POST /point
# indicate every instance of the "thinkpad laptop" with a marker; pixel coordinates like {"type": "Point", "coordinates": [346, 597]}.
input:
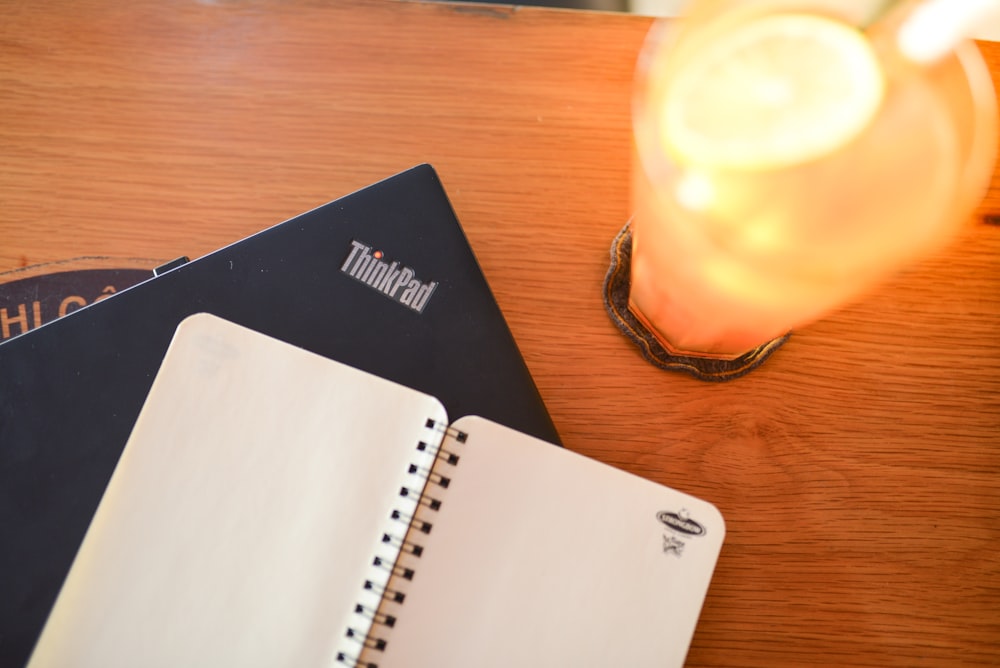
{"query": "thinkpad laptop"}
{"type": "Point", "coordinates": [383, 280]}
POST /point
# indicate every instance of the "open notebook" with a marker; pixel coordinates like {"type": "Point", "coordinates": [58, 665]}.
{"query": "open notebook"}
{"type": "Point", "coordinates": [383, 279]}
{"type": "Point", "coordinates": [275, 508]}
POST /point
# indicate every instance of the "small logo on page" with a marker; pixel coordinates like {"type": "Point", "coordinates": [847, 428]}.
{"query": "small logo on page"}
{"type": "Point", "coordinates": [678, 523]}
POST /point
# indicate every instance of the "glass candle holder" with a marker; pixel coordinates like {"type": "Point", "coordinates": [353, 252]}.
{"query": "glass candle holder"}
{"type": "Point", "coordinates": [787, 157]}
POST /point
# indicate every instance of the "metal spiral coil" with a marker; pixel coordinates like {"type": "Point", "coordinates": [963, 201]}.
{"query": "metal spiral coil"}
{"type": "Point", "coordinates": [414, 525]}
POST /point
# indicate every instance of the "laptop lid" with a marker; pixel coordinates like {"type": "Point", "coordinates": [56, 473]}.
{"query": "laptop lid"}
{"type": "Point", "coordinates": [383, 280]}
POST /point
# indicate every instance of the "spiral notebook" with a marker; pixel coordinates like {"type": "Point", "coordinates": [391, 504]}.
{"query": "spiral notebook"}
{"type": "Point", "coordinates": [383, 279]}
{"type": "Point", "coordinates": [276, 508]}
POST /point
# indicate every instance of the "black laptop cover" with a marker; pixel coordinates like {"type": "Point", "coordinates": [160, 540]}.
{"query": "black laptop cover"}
{"type": "Point", "coordinates": [383, 280]}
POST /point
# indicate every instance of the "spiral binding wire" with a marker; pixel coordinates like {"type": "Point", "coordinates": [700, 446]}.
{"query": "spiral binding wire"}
{"type": "Point", "coordinates": [374, 620]}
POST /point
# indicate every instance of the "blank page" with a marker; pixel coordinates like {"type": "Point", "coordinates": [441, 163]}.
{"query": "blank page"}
{"type": "Point", "coordinates": [541, 557]}
{"type": "Point", "coordinates": [242, 518]}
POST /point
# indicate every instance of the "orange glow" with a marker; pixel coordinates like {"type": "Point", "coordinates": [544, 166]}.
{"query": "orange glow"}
{"type": "Point", "coordinates": [773, 182]}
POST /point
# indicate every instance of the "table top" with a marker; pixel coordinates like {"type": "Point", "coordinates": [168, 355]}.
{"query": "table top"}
{"type": "Point", "coordinates": [857, 469]}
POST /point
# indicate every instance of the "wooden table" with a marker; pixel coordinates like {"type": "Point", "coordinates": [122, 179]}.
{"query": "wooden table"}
{"type": "Point", "coordinates": [859, 469]}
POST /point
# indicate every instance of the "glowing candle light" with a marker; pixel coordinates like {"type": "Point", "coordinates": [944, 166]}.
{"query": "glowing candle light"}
{"type": "Point", "coordinates": [786, 160]}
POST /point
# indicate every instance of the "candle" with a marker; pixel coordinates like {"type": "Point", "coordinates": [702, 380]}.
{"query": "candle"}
{"type": "Point", "coordinates": [785, 161]}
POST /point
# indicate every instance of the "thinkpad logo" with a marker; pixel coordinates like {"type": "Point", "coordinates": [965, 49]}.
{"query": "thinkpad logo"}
{"type": "Point", "coordinates": [397, 282]}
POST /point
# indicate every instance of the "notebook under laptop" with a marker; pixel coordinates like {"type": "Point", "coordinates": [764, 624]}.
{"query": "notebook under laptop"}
{"type": "Point", "coordinates": [383, 280]}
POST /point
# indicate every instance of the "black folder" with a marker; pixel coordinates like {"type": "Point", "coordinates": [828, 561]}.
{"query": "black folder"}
{"type": "Point", "coordinates": [383, 280]}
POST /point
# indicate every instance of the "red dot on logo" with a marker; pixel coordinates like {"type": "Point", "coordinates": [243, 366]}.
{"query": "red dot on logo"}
{"type": "Point", "coordinates": [378, 255]}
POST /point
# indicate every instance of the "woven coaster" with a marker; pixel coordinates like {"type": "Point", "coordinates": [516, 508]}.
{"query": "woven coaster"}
{"type": "Point", "coordinates": [616, 289]}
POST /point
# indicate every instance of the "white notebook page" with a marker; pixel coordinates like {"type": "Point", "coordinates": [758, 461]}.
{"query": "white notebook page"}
{"type": "Point", "coordinates": [541, 557]}
{"type": "Point", "coordinates": [242, 518]}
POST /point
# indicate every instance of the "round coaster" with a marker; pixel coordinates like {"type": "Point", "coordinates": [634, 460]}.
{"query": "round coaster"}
{"type": "Point", "coordinates": [616, 288]}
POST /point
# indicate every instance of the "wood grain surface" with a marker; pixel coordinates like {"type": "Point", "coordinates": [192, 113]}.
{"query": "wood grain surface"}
{"type": "Point", "coordinates": [858, 470]}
